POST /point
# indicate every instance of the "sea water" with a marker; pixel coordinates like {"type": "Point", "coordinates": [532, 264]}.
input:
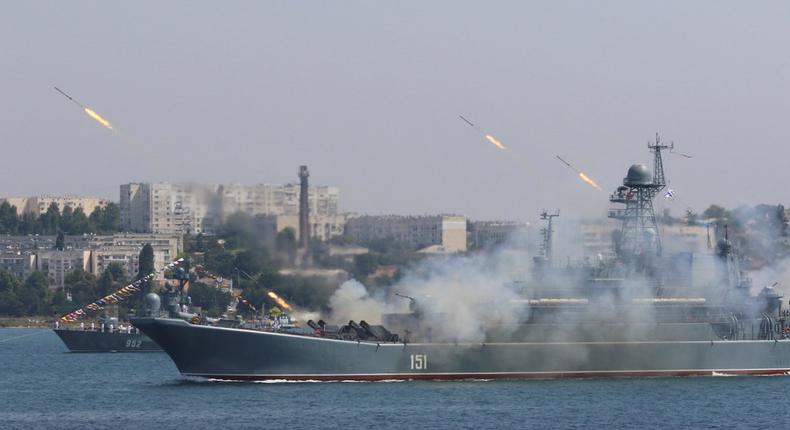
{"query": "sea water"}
{"type": "Point", "coordinates": [44, 386]}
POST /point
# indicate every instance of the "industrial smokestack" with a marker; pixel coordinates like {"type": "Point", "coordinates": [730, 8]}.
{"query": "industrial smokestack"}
{"type": "Point", "coordinates": [304, 208]}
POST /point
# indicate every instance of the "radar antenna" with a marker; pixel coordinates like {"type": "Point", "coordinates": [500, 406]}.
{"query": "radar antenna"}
{"type": "Point", "coordinates": [640, 239]}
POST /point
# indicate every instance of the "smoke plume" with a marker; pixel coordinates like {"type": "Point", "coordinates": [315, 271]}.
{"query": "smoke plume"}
{"type": "Point", "coordinates": [352, 301]}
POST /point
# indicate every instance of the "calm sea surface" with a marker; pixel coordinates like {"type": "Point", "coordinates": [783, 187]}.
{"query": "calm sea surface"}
{"type": "Point", "coordinates": [43, 386]}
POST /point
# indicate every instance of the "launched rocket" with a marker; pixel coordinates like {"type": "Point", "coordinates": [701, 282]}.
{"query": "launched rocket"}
{"type": "Point", "coordinates": [69, 97]}
{"type": "Point", "coordinates": [488, 137]}
{"type": "Point", "coordinates": [581, 174]}
{"type": "Point", "coordinates": [466, 120]}
{"type": "Point", "coordinates": [88, 111]}
{"type": "Point", "coordinates": [567, 164]}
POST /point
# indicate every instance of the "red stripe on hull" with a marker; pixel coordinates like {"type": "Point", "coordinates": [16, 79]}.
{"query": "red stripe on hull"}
{"type": "Point", "coordinates": [467, 376]}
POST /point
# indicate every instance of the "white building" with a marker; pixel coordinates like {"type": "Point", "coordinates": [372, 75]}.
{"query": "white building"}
{"type": "Point", "coordinates": [168, 208]}
{"type": "Point", "coordinates": [439, 233]}
{"type": "Point", "coordinates": [487, 234]}
{"type": "Point", "coordinates": [18, 263]}
{"type": "Point", "coordinates": [91, 253]}
{"type": "Point", "coordinates": [596, 237]}
{"type": "Point", "coordinates": [58, 264]}
{"type": "Point", "coordinates": [269, 199]}
{"type": "Point", "coordinates": [125, 248]}
{"type": "Point", "coordinates": [322, 227]}
{"type": "Point", "coordinates": [190, 208]}
{"type": "Point", "coordinates": [39, 204]}
{"type": "Point", "coordinates": [126, 256]}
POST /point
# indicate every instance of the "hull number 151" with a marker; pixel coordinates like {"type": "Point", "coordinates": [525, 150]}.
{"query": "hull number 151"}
{"type": "Point", "coordinates": [419, 361]}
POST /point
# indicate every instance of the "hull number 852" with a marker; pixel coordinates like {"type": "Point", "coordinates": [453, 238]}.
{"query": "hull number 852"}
{"type": "Point", "coordinates": [419, 362]}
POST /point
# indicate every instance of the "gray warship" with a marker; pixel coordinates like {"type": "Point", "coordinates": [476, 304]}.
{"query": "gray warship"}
{"type": "Point", "coordinates": [106, 337]}
{"type": "Point", "coordinates": [589, 322]}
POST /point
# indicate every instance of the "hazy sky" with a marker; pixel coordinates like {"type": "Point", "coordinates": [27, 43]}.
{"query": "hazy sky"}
{"type": "Point", "coordinates": [368, 95]}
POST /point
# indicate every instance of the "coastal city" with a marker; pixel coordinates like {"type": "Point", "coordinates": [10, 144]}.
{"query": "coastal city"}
{"type": "Point", "coordinates": [68, 238]}
{"type": "Point", "coordinates": [64, 236]}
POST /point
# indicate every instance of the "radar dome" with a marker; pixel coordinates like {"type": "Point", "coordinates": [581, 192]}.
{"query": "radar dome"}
{"type": "Point", "coordinates": [638, 175]}
{"type": "Point", "coordinates": [152, 302]}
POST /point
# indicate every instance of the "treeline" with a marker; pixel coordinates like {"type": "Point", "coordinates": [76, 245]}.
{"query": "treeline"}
{"type": "Point", "coordinates": [32, 296]}
{"type": "Point", "coordinates": [759, 233]}
{"type": "Point", "coordinates": [250, 254]}
{"type": "Point", "coordinates": [70, 221]}
{"type": "Point", "coordinates": [245, 251]}
{"type": "Point", "coordinates": [243, 245]}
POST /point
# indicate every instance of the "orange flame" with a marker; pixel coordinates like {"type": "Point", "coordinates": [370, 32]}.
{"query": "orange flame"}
{"type": "Point", "coordinates": [91, 113]}
{"type": "Point", "coordinates": [496, 143]}
{"type": "Point", "coordinates": [592, 183]}
{"type": "Point", "coordinates": [279, 301]}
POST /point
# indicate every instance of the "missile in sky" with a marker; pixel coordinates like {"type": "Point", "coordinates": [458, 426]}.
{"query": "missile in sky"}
{"type": "Point", "coordinates": [466, 120]}
{"type": "Point", "coordinates": [69, 97]}
{"type": "Point", "coordinates": [568, 164]}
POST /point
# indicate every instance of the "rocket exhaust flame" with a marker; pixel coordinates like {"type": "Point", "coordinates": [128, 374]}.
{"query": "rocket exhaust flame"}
{"type": "Point", "coordinates": [581, 174]}
{"type": "Point", "coordinates": [496, 143]}
{"type": "Point", "coordinates": [588, 180]}
{"type": "Point", "coordinates": [91, 113]}
{"type": "Point", "coordinates": [279, 300]}
{"type": "Point", "coordinates": [488, 137]}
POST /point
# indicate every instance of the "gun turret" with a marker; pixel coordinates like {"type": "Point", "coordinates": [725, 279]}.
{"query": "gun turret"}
{"type": "Point", "coordinates": [412, 302]}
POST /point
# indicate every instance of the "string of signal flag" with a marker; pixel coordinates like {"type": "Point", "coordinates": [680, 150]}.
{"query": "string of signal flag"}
{"type": "Point", "coordinates": [118, 296]}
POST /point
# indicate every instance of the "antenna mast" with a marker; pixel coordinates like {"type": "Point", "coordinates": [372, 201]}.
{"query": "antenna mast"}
{"type": "Point", "coordinates": [547, 232]}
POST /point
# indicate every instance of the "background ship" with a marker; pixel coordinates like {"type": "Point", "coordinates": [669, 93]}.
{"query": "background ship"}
{"type": "Point", "coordinates": [107, 337]}
{"type": "Point", "coordinates": [631, 315]}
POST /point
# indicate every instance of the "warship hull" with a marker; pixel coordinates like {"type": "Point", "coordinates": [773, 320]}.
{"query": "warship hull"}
{"type": "Point", "coordinates": [98, 341]}
{"type": "Point", "coordinates": [240, 354]}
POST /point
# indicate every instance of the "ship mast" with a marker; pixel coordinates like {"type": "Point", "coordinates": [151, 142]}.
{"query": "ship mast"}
{"type": "Point", "coordinates": [640, 240]}
{"type": "Point", "coordinates": [547, 232]}
{"type": "Point", "coordinates": [543, 261]}
{"type": "Point", "coordinates": [658, 163]}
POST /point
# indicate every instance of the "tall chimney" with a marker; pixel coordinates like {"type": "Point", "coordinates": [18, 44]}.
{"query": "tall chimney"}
{"type": "Point", "coordinates": [304, 208]}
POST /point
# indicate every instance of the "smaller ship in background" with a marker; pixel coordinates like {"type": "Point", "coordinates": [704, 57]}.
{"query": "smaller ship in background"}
{"type": "Point", "coordinates": [108, 335]}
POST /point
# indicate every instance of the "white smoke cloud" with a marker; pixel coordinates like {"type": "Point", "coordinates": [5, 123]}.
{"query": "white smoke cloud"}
{"type": "Point", "coordinates": [464, 297]}
{"type": "Point", "coordinates": [461, 296]}
{"type": "Point", "coordinates": [458, 296]}
{"type": "Point", "coordinates": [353, 302]}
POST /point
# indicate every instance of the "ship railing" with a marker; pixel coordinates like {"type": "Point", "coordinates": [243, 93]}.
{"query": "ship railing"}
{"type": "Point", "coordinates": [617, 213]}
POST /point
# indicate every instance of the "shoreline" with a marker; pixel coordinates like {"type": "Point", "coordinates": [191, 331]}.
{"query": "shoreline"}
{"type": "Point", "coordinates": [26, 322]}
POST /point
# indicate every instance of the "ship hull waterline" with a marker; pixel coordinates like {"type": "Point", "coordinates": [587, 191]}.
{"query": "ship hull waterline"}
{"type": "Point", "coordinates": [248, 355]}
